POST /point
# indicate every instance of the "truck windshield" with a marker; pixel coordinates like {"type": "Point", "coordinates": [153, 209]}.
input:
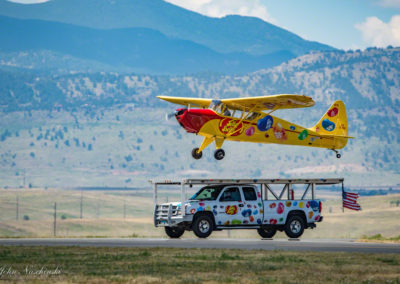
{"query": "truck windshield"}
{"type": "Point", "coordinates": [207, 193]}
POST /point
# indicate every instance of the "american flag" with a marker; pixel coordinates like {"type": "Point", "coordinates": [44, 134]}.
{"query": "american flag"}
{"type": "Point", "coordinates": [350, 200]}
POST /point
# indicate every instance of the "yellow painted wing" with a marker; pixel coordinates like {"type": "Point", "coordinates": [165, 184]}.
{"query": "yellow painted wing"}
{"type": "Point", "coordinates": [269, 102]}
{"type": "Point", "coordinates": [196, 102]}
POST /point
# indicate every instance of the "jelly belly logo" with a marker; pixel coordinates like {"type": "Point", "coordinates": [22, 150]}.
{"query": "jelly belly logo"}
{"type": "Point", "coordinates": [231, 126]}
{"type": "Point", "coordinates": [231, 209]}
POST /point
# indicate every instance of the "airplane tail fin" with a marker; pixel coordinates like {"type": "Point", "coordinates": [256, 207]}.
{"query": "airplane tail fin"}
{"type": "Point", "coordinates": [334, 124]}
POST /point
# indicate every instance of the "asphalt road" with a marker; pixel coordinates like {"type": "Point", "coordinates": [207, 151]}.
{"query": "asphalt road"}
{"type": "Point", "coordinates": [327, 245]}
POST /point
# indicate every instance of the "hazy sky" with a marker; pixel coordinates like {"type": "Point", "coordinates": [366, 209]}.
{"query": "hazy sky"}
{"type": "Point", "coordinates": [341, 23]}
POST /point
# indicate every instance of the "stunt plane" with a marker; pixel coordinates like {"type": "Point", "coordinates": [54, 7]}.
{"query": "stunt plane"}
{"type": "Point", "coordinates": [250, 120]}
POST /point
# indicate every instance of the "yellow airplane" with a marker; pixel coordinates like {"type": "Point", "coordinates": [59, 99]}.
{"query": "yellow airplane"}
{"type": "Point", "coordinates": [250, 120]}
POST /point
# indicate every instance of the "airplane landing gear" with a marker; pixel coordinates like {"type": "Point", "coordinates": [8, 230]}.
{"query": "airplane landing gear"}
{"type": "Point", "coordinates": [195, 154]}
{"type": "Point", "coordinates": [219, 154]}
{"type": "Point", "coordinates": [337, 154]}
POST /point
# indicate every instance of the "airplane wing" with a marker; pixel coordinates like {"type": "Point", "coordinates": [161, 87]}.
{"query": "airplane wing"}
{"type": "Point", "coordinates": [196, 102]}
{"type": "Point", "coordinates": [282, 101]}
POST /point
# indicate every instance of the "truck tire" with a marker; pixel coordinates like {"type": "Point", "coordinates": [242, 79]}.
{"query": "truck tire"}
{"type": "Point", "coordinates": [294, 227]}
{"type": "Point", "coordinates": [174, 232]}
{"type": "Point", "coordinates": [266, 232]}
{"type": "Point", "coordinates": [202, 226]}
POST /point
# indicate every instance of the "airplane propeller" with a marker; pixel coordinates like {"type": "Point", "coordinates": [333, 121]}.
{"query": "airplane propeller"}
{"type": "Point", "coordinates": [168, 116]}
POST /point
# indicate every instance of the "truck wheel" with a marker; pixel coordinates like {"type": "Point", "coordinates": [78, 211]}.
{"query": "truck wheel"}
{"type": "Point", "coordinates": [174, 232]}
{"type": "Point", "coordinates": [203, 226]}
{"type": "Point", "coordinates": [294, 227]}
{"type": "Point", "coordinates": [266, 232]}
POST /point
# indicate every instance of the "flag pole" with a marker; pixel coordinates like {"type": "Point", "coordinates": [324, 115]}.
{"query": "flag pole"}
{"type": "Point", "coordinates": [342, 197]}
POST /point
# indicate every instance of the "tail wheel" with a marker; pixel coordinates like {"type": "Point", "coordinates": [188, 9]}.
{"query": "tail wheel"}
{"type": "Point", "coordinates": [295, 226]}
{"type": "Point", "coordinates": [195, 154]}
{"type": "Point", "coordinates": [266, 232]}
{"type": "Point", "coordinates": [203, 226]}
{"type": "Point", "coordinates": [174, 232]}
{"type": "Point", "coordinates": [338, 155]}
{"type": "Point", "coordinates": [219, 154]}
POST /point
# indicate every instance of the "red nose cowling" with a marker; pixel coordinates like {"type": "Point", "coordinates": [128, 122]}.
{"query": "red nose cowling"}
{"type": "Point", "coordinates": [193, 119]}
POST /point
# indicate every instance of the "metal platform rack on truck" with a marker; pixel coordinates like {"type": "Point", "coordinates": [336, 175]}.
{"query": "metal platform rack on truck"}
{"type": "Point", "coordinates": [241, 204]}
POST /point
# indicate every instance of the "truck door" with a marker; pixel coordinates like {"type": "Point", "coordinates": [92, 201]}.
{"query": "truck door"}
{"type": "Point", "coordinates": [252, 213]}
{"type": "Point", "coordinates": [230, 207]}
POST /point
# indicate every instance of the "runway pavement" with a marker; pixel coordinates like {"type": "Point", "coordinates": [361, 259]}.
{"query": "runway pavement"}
{"type": "Point", "coordinates": [327, 245]}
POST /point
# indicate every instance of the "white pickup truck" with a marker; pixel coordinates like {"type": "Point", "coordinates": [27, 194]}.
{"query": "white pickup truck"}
{"type": "Point", "coordinates": [241, 204]}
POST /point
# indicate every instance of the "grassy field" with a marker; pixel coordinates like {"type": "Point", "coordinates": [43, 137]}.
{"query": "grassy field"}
{"type": "Point", "coordinates": [103, 213]}
{"type": "Point", "coordinates": [163, 265]}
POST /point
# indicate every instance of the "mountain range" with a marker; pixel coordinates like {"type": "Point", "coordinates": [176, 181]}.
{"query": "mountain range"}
{"type": "Point", "coordinates": [150, 36]}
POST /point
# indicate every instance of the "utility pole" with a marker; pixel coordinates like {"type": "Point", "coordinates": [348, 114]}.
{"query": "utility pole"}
{"type": "Point", "coordinates": [55, 219]}
{"type": "Point", "coordinates": [81, 203]}
{"type": "Point", "coordinates": [97, 210]}
{"type": "Point", "coordinates": [17, 208]}
{"type": "Point", "coordinates": [124, 209]}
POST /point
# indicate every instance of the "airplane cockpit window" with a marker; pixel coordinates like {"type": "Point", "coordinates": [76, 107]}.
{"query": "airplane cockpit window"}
{"type": "Point", "coordinates": [217, 106]}
{"type": "Point", "coordinates": [252, 116]}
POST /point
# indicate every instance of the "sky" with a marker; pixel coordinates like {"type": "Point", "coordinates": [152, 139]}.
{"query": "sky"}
{"type": "Point", "coordinates": [344, 24]}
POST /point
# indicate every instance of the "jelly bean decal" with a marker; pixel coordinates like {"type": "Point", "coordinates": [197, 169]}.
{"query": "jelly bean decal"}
{"type": "Point", "coordinates": [280, 219]}
{"type": "Point", "coordinates": [246, 213]}
{"type": "Point", "coordinates": [255, 206]}
{"type": "Point", "coordinates": [310, 214]}
{"type": "Point", "coordinates": [192, 211]}
{"type": "Point", "coordinates": [226, 223]}
{"type": "Point", "coordinates": [308, 204]}
{"type": "Point", "coordinates": [250, 131]}
{"type": "Point", "coordinates": [266, 135]}
{"type": "Point", "coordinates": [328, 125]}
{"type": "Point", "coordinates": [265, 123]}
{"type": "Point", "coordinates": [255, 212]}
{"type": "Point", "coordinates": [258, 195]}
{"type": "Point", "coordinates": [279, 132]}
{"type": "Point", "coordinates": [272, 205]}
{"type": "Point", "coordinates": [221, 207]}
{"type": "Point", "coordinates": [231, 209]}
{"type": "Point", "coordinates": [200, 209]}
{"type": "Point", "coordinates": [219, 223]}
{"type": "Point", "coordinates": [288, 203]}
{"type": "Point", "coordinates": [333, 112]}
{"type": "Point", "coordinates": [301, 204]}
{"type": "Point", "coordinates": [259, 204]}
{"type": "Point", "coordinates": [292, 128]}
{"type": "Point", "coordinates": [261, 211]}
{"type": "Point", "coordinates": [248, 205]}
{"type": "Point", "coordinates": [303, 135]}
{"type": "Point", "coordinates": [215, 212]}
{"type": "Point", "coordinates": [280, 208]}
{"type": "Point", "coordinates": [215, 206]}
{"type": "Point", "coordinates": [208, 208]}
{"type": "Point", "coordinates": [314, 205]}
{"type": "Point", "coordinates": [251, 218]}
{"type": "Point", "coordinates": [245, 222]}
{"type": "Point", "coordinates": [201, 203]}
{"type": "Point", "coordinates": [317, 218]}
{"type": "Point", "coordinates": [236, 222]}
{"type": "Point", "coordinates": [273, 221]}
{"type": "Point", "coordinates": [295, 203]}
{"type": "Point", "coordinates": [259, 221]}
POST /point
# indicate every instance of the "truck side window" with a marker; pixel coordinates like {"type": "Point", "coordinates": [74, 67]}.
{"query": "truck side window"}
{"type": "Point", "coordinates": [249, 193]}
{"type": "Point", "coordinates": [231, 194]}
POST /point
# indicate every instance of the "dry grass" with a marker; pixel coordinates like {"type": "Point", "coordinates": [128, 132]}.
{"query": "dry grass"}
{"type": "Point", "coordinates": [155, 265]}
{"type": "Point", "coordinates": [103, 215]}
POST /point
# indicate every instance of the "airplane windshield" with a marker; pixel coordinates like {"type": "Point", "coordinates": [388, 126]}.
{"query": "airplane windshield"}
{"type": "Point", "coordinates": [207, 193]}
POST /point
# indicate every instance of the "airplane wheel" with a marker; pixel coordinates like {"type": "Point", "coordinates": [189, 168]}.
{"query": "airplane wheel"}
{"type": "Point", "coordinates": [219, 154]}
{"type": "Point", "coordinates": [195, 154]}
{"type": "Point", "coordinates": [338, 155]}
